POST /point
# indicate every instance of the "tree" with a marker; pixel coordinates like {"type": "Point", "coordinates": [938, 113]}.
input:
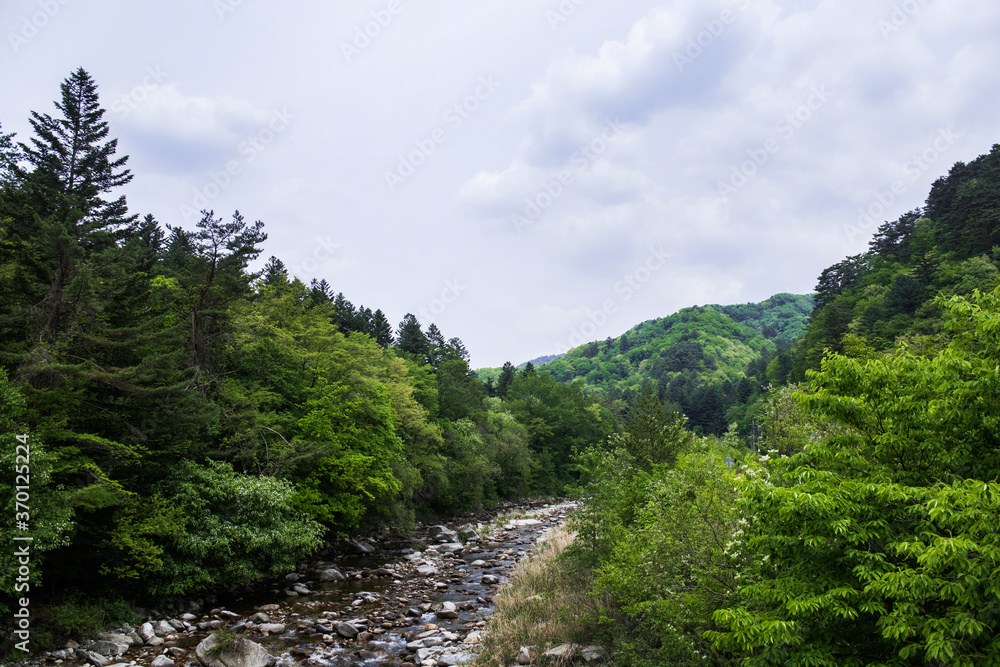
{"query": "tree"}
{"type": "Point", "coordinates": [507, 375]}
{"type": "Point", "coordinates": [275, 272]}
{"type": "Point", "coordinates": [381, 329]}
{"type": "Point", "coordinates": [877, 544]}
{"type": "Point", "coordinates": [410, 337]}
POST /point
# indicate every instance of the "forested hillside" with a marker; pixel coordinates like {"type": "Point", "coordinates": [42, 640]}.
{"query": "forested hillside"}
{"type": "Point", "coordinates": [706, 362]}
{"type": "Point", "coordinates": [194, 423]}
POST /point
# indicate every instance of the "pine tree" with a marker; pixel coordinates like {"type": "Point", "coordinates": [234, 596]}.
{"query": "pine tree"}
{"type": "Point", "coordinates": [507, 375]}
{"type": "Point", "coordinates": [381, 329]}
{"type": "Point", "coordinates": [275, 272]}
{"type": "Point", "coordinates": [410, 337]}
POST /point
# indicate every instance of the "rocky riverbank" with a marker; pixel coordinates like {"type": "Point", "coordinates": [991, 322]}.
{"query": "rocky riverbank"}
{"type": "Point", "coordinates": [423, 602]}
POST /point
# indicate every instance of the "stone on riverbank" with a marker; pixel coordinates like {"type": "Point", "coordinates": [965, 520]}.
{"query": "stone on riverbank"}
{"type": "Point", "coordinates": [241, 653]}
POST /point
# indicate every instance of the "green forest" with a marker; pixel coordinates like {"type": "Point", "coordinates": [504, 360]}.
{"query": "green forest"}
{"type": "Point", "coordinates": [809, 480]}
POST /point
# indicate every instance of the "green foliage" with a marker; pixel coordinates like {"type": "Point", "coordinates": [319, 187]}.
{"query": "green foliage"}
{"type": "Point", "coordinates": [877, 544]}
{"type": "Point", "coordinates": [238, 528]}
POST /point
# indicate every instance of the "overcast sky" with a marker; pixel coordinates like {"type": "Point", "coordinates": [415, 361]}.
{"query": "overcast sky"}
{"type": "Point", "coordinates": [529, 174]}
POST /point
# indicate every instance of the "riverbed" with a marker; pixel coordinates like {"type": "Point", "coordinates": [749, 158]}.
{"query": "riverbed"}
{"type": "Point", "coordinates": [424, 600]}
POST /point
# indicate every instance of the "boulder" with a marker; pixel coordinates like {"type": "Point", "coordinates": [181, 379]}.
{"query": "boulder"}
{"type": "Point", "coordinates": [593, 654]}
{"type": "Point", "coordinates": [241, 653]}
{"type": "Point", "coordinates": [163, 628]}
{"type": "Point", "coordinates": [116, 637]}
{"type": "Point", "coordinates": [107, 648]}
{"type": "Point", "coordinates": [331, 574]}
{"type": "Point", "coordinates": [301, 589]}
{"type": "Point", "coordinates": [489, 580]}
{"type": "Point", "coordinates": [161, 661]}
{"type": "Point", "coordinates": [361, 547]}
{"type": "Point", "coordinates": [562, 653]}
{"type": "Point", "coordinates": [346, 630]}
{"type": "Point", "coordinates": [93, 657]}
{"type": "Point", "coordinates": [442, 534]}
{"type": "Point", "coordinates": [450, 547]}
{"type": "Point", "coordinates": [427, 570]}
{"type": "Point", "coordinates": [260, 617]}
{"type": "Point", "coordinates": [448, 610]}
{"type": "Point", "coordinates": [272, 628]}
{"type": "Point", "coordinates": [527, 655]}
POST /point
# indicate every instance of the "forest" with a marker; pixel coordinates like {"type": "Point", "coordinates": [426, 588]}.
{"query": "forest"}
{"type": "Point", "coordinates": [811, 480]}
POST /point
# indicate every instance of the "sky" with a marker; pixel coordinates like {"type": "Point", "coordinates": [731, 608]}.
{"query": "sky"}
{"type": "Point", "coordinates": [529, 175]}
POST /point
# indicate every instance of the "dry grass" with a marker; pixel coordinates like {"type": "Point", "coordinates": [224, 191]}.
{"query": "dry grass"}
{"type": "Point", "coordinates": [545, 603]}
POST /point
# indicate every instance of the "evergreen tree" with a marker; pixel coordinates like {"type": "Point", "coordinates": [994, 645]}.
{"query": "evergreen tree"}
{"type": "Point", "coordinates": [507, 375]}
{"type": "Point", "coordinates": [410, 337]}
{"type": "Point", "coordinates": [275, 272]}
{"type": "Point", "coordinates": [319, 292]}
{"type": "Point", "coordinates": [435, 345]}
{"type": "Point", "coordinates": [381, 329]}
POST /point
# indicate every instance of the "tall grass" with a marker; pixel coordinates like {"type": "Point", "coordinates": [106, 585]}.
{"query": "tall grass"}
{"type": "Point", "coordinates": [546, 602]}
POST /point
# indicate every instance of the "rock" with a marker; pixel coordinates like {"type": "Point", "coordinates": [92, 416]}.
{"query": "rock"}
{"type": "Point", "coordinates": [189, 617]}
{"type": "Point", "coordinates": [163, 628]}
{"type": "Point", "coordinates": [451, 659]}
{"type": "Point", "coordinates": [346, 630]}
{"type": "Point", "coordinates": [366, 655]}
{"type": "Point", "coordinates": [146, 632]}
{"type": "Point", "coordinates": [526, 522]}
{"type": "Point", "coordinates": [361, 547]}
{"type": "Point", "coordinates": [294, 576]}
{"type": "Point", "coordinates": [155, 641]}
{"type": "Point", "coordinates": [301, 589]}
{"type": "Point", "coordinates": [272, 628]}
{"type": "Point", "coordinates": [473, 637]}
{"type": "Point", "coordinates": [527, 655]}
{"type": "Point", "coordinates": [116, 637]}
{"type": "Point", "coordinates": [448, 610]}
{"type": "Point", "coordinates": [594, 654]}
{"type": "Point", "coordinates": [92, 657]}
{"type": "Point", "coordinates": [489, 580]}
{"type": "Point", "coordinates": [331, 574]}
{"type": "Point", "coordinates": [241, 653]}
{"type": "Point", "coordinates": [268, 607]}
{"type": "Point", "coordinates": [177, 624]}
{"type": "Point", "coordinates": [161, 661]}
{"type": "Point", "coordinates": [563, 652]}
{"type": "Point", "coordinates": [427, 570]}
{"type": "Point", "coordinates": [107, 648]}
{"type": "Point", "coordinates": [442, 534]}
{"type": "Point", "coordinates": [477, 563]}
{"type": "Point", "coordinates": [450, 547]}
{"type": "Point", "coordinates": [225, 613]}
{"type": "Point", "coordinates": [176, 651]}
{"type": "Point", "coordinates": [260, 617]}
